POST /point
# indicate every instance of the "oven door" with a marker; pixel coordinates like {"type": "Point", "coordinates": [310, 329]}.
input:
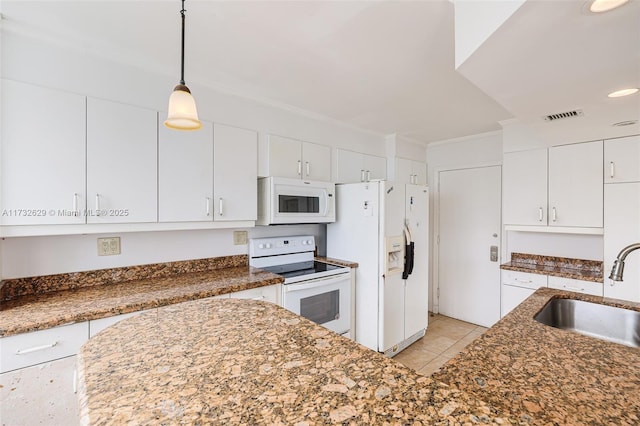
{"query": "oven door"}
{"type": "Point", "coordinates": [325, 301]}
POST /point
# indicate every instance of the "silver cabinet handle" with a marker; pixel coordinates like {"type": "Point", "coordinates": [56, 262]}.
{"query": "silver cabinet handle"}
{"type": "Point", "coordinates": [97, 204]}
{"type": "Point", "coordinates": [524, 281]}
{"type": "Point", "coordinates": [36, 348]}
{"type": "Point", "coordinates": [75, 202]}
{"type": "Point", "coordinates": [362, 179]}
{"type": "Point", "coordinates": [368, 175]}
{"type": "Point", "coordinates": [220, 206]}
{"type": "Point", "coordinates": [612, 169]}
{"type": "Point", "coordinates": [540, 214]}
{"type": "Point", "coordinates": [208, 206]}
{"type": "Point", "coordinates": [554, 214]}
{"type": "Point", "coordinates": [308, 168]}
{"type": "Point", "coordinates": [299, 168]}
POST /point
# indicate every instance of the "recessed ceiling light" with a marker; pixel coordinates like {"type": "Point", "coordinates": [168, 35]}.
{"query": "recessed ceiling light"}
{"type": "Point", "coordinates": [623, 92]}
{"type": "Point", "coordinates": [598, 6]}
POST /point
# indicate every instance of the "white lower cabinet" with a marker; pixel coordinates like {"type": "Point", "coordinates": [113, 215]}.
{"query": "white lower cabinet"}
{"type": "Point", "coordinates": [26, 349]}
{"type": "Point", "coordinates": [517, 286]}
{"type": "Point", "coordinates": [271, 293]}
{"type": "Point", "coordinates": [43, 394]}
{"type": "Point", "coordinates": [38, 380]}
{"type": "Point", "coordinates": [579, 286]}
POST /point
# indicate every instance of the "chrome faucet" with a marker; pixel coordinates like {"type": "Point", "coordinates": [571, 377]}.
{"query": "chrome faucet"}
{"type": "Point", "coordinates": [618, 265]}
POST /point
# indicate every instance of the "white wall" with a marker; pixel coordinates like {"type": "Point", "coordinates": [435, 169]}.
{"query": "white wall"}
{"type": "Point", "coordinates": [39, 62]}
{"type": "Point", "coordinates": [575, 246]}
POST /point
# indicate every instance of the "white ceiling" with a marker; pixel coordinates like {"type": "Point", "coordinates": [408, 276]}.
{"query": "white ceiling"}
{"type": "Point", "coordinates": [382, 66]}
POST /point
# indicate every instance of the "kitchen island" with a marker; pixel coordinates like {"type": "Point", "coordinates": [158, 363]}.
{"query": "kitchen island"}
{"type": "Point", "coordinates": [538, 374]}
{"type": "Point", "coordinates": [250, 362]}
{"type": "Point", "coordinates": [247, 362]}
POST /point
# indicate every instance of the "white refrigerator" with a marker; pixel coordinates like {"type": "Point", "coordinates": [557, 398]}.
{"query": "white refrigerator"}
{"type": "Point", "coordinates": [376, 222]}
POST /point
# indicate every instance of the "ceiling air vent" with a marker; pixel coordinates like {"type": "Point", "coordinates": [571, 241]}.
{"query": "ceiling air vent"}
{"type": "Point", "coordinates": [562, 115]}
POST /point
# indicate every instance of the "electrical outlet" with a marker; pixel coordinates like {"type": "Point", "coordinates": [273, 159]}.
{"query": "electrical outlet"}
{"type": "Point", "coordinates": [240, 237]}
{"type": "Point", "coordinates": [108, 246]}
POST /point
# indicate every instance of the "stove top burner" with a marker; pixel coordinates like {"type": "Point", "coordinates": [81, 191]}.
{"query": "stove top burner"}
{"type": "Point", "coordinates": [299, 269]}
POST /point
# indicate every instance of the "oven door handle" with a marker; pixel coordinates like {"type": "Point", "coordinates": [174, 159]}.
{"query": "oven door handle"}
{"type": "Point", "coordinates": [318, 282]}
{"type": "Point", "coordinates": [326, 203]}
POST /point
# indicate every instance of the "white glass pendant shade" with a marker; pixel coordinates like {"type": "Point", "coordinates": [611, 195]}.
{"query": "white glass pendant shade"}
{"type": "Point", "coordinates": [183, 114]}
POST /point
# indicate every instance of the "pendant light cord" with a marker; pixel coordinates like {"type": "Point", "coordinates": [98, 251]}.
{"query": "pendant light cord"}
{"type": "Point", "coordinates": [182, 52]}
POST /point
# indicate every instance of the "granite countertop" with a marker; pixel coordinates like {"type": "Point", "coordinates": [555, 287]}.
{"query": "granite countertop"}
{"type": "Point", "coordinates": [577, 269]}
{"type": "Point", "coordinates": [40, 311]}
{"type": "Point", "coordinates": [542, 375]}
{"type": "Point", "coordinates": [232, 361]}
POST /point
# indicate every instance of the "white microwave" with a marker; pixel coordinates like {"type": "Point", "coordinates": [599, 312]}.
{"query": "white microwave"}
{"type": "Point", "coordinates": [282, 201]}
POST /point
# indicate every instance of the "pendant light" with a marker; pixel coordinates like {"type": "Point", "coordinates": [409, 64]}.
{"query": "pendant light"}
{"type": "Point", "coordinates": [183, 114]}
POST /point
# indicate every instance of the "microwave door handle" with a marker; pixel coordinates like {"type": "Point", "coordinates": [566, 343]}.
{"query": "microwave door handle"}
{"type": "Point", "coordinates": [326, 203]}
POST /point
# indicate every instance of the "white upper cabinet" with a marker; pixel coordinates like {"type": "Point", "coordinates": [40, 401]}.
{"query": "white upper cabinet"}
{"type": "Point", "coordinates": [564, 190]}
{"type": "Point", "coordinates": [235, 169]}
{"type": "Point", "coordinates": [295, 159]}
{"type": "Point", "coordinates": [185, 174]}
{"type": "Point", "coordinates": [411, 171]}
{"type": "Point", "coordinates": [576, 185]}
{"type": "Point", "coordinates": [622, 160]}
{"type": "Point", "coordinates": [43, 156]}
{"type": "Point", "coordinates": [357, 167]}
{"type": "Point", "coordinates": [121, 163]}
{"type": "Point", "coordinates": [524, 187]}
{"type": "Point", "coordinates": [622, 228]}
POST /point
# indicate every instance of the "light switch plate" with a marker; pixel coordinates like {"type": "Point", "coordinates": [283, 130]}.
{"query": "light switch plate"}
{"type": "Point", "coordinates": [108, 246]}
{"type": "Point", "coordinates": [240, 237]}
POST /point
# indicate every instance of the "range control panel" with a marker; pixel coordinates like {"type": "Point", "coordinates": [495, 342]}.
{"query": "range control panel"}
{"type": "Point", "coordinates": [273, 246]}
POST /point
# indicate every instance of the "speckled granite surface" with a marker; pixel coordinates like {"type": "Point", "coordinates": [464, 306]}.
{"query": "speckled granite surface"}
{"type": "Point", "coordinates": [338, 262]}
{"type": "Point", "coordinates": [578, 269]}
{"type": "Point", "coordinates": [41, 311]}
{"type": "Point", "coordinates": [249, 362]}
{"type": "Point", "coordinates": [542, 375]}
{"type": "Point", "coordinates": [14, 288]}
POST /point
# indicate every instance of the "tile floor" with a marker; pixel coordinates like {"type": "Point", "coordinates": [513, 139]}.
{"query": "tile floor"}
{"type": "Point", "coordinates": [445, 338]}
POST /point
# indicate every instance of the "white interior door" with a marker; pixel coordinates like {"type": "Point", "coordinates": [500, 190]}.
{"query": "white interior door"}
{"type": "Point", "coordinates": [469, 225]}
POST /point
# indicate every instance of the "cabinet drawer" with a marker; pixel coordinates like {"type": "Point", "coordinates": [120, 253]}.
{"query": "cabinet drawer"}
{"type": "Point", "coordinates": [269, 293]}
{"type": "Point", "coordinates": [96, 326]}
{"type": "Point", "coordinates": [523, 279]}
{"type": "Point", "coordinates": [568, 284]}
{"type": "Point", "coordinates": [23, 350]}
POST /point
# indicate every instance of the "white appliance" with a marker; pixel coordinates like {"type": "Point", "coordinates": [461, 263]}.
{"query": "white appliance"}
{"type": "Point", "coordinates": [376, 224]}
{"type": "Point", "coordinates": [283, 200]}
{"type": "Point", "coordinates": [318, 291]}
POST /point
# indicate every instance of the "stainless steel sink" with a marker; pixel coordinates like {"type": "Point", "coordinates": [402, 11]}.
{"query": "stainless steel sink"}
{"type": "Point", "coordinates": [603, 322]}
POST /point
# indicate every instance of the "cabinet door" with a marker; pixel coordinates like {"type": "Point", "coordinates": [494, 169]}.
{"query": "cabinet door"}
{"type": "Point", "coordinates": [622, 160]}
{"type": "Point", "coordinates": [23, 350]}
{"type": "Point", "coordinates": [43, 156]}
{"type": "Point", "coordinates": [375, 167]}
{"type": "Point", "coordinates": [419, 172]}
{"type": "Point", "coordinates": [285, 157]}
{"type": "Point", "coordinates": [235, 173]}
{"type": "Point", "coordinates": [121, 163]}
{"type": "Point", "coordinates": [524, 185]}
{"type": "Point", "coordinates": [185, 174]}
{"type": "Point", "coordinates": [350, 167]}
{"type": "Point", "coordinates": [576, 185]}
{"type": "Point", "coordinates": [404, 170]}
{"type": "Point", "coordinates": [316, 162]}
{"type": "Point", "coordinates": [621, 228]}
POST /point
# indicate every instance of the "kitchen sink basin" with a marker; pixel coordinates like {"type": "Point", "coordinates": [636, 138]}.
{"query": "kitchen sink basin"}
{"type": "Point", "coordinates": [603, 322]}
